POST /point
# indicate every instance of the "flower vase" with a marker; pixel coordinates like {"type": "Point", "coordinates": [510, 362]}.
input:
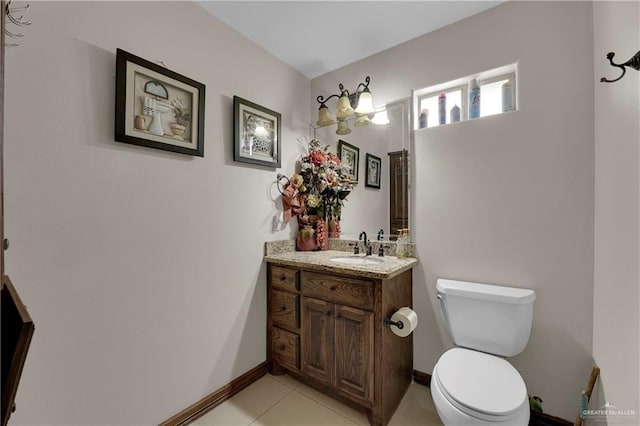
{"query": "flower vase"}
{"type": "Point", "coordinates": [334, 228]}
{"type": "Point", "coordinates": [177, 130]}
{"type": "Point", "coordinates": [322, 235]}
{"type": "Point", "coordinates": [306, 240]}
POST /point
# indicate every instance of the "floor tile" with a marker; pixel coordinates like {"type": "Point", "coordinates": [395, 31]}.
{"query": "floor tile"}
{"type": "Point", "coordinates": [358, 417]}
{"type": "Point", "coordinates": [246, 406]}
{"type": "Point", "coordinates": [298, 410]}
{"type": "Point", "coordinates": [286, 380]}
{"type": "Point", "coordinates": [416, 408]}
{"type": "Point", "coordinates": [283, 400]}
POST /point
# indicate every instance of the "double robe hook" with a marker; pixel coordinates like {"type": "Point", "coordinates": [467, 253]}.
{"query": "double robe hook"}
{"type": "Point", "coordinates": [632, 63]}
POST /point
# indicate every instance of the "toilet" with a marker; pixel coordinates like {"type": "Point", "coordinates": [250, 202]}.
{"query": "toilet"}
{"type": "Point", "coordinates": [472, 383]}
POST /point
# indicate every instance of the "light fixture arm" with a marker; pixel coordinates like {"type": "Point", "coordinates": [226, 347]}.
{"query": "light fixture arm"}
{"type": "Point", "coordinates": [343, 90]}
{"type": "Point", "coordinates": [322, 100]}
{"type": "Point", "coordinates": [367, 80]}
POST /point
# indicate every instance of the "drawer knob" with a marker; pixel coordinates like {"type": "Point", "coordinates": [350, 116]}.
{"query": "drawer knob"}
{"type": "Point", "coordinates": [282, 347]}
{"type": "Point", "coordinates": [284, 308]}
{"type": "Point", "coordinates": [332, 288]}
{"type": "Point", "coordinates": [328, 313]}
{"type": "Point", "coordinates": [282, 278]}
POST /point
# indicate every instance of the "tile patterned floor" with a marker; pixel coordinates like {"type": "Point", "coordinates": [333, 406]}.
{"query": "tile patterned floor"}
{"type": "Point", "coordinates": [284, 401]}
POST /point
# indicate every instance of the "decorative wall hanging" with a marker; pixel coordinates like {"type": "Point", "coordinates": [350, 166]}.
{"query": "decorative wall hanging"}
{"type": "Point", "coordinates": [634, 63]}
{"type": "Point", "coordinates": [158, 108]}
{"type": "Point", "coordinates": [374, 167]}
{"type": "Point", "coordinates": [256, 134]}
{"type": "Point", "coordinates": [350, 157]}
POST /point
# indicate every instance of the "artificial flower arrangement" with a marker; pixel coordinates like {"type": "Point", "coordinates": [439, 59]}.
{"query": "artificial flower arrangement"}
{"type": "Point", "coordinates": [316, 195]}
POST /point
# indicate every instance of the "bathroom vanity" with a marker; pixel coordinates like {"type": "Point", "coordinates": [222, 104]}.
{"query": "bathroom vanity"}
{"type": "Point", "coordinates": [325, 326]}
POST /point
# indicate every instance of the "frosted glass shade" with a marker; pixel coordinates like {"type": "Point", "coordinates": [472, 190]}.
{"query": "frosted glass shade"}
{"type": "Point", "coordinates": [324, 118]}
{"type": "Point", "coordinates": [362, 121]}
{"type": "Point", "coordinates": [365, 103]}
{"type": "Point", "coordinates": [344, 108]}
{"type": "Point", "coordinates": [381, 118]}
{"type": "Point", "coordinates": [343, 128]}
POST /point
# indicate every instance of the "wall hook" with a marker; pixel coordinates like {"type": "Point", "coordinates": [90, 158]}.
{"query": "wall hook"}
{"type": "Point", "coordinates": [279, 184]}
{"type": "Point", "coordinates": [633, 63]}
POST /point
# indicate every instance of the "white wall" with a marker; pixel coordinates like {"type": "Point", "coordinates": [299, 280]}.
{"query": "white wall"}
{"type": "Point", "coordinates": [507, 199]}
{"type": "Point", "coordinates": [617, 231]}
{"type": "Point", "coordinates": [141, 268]}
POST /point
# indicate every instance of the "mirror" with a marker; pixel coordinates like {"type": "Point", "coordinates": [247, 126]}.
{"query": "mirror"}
{"type": "Point", "coordinates": [369, 208]}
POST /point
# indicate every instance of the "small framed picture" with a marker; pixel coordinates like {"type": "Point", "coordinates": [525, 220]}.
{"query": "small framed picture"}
{"type": "Point", "coordinates": [158, 108]}
{"type": "Point", "coordinates": [256, 134]}
{"type": "Point", "coordinates": [350, 157]}
{"type": "Point", "coordinates": [374, 168]}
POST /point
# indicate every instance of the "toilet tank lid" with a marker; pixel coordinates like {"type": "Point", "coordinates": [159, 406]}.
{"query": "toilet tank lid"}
{"type": "Point", "coordinates": [486, 291]}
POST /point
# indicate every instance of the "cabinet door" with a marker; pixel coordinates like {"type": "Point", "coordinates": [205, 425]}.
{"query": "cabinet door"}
{"type": "Point", "coordinates": [354, 352]}
{"type": "Point", "coordinates": [317, 339]}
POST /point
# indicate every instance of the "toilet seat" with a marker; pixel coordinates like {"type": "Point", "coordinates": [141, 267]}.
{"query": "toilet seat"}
{"type": "Point", "coordinates": [481, 385]}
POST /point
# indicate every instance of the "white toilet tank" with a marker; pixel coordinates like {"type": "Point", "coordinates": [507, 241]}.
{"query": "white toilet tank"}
{"type": "Point", "coordinates": [488, 318]}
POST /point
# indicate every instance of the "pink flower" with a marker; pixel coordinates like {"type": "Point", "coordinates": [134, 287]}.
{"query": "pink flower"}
{"type": "Point", "coordinates": [317, 157]}
{"type": "Point", "coordinates": [334, 158]}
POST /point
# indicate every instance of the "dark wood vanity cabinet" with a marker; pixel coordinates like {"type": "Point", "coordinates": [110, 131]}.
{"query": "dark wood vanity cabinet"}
{"type": "Point", "coordinates": [327, 330]}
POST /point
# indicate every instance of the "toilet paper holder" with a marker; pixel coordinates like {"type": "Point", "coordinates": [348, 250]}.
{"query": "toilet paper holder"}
{"type": "Point", "coordinates": [388, 323]}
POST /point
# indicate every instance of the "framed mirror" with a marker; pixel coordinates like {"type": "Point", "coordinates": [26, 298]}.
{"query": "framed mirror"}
{"type": "Point", "coordinates": [384, 205]}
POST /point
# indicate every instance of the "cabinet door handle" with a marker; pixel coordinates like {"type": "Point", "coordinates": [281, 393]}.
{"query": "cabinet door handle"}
{"type": "Point", "coordinates": [284, 308]}
{"type": "Point", "coordinates": [282, 347]}
{"type": "Point", "coordinates": [282, 277]}
{"type": "Point", "coordinates": [338, 316]}
{"type": "Point", "coordinates": [328, 313]}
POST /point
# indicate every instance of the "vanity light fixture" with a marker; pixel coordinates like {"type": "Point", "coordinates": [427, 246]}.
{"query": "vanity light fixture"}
{"type": "Point", "coordinates": [362, 100]}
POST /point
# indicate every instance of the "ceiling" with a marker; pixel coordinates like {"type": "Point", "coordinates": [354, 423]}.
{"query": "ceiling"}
{"type": "Point", "coordinates": [316, 37]}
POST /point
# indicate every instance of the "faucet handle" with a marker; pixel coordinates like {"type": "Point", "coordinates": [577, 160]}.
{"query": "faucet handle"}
{"type": "Point", "coordinates": [381, 249]}
{"type": "Point", "coordinates": [369, 248]}
{"type": "Point", "coordinates": [356, 247]}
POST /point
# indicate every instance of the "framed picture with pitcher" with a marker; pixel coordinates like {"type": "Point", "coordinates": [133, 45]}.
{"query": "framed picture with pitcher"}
{"type": "Point", "coordinates": [158, 108]}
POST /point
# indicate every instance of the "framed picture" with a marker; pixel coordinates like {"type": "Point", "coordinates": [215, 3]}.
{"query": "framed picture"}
{"type": "Point", "coordinates": [374, 168]}
{"type": "Point", "coordinates": [350, 157]}
{"type": "Point", "coordinates": [158, 108]}
{"type": "Point", "coordinates": [256, 133]}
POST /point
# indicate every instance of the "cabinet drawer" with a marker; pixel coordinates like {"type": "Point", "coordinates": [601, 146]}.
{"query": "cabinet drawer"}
{"type": "Point", "coordinates": [284, 309]}
{"type": "Point", "coordinates": [285, 348]}
{"type": "Point", "coordinates": [284, 278]}
{"type": "Point", "coordinates": [346, 291]}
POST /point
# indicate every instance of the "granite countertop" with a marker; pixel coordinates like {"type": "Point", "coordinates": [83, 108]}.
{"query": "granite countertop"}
{"type": "Point", "coordinates": [388, 267]}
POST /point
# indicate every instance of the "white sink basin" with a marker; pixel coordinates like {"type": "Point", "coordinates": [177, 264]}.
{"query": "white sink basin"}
{"type": "Point", "coordinates": [357, 260]}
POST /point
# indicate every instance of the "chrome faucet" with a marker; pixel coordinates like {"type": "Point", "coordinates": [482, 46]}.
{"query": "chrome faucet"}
{"type": "Point", "coordinates": [367, 244]}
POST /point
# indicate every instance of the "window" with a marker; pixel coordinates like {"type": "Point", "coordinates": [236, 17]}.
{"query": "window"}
{"type": "Point", "coordinates": [430, 104]}
{"type": "Point", "coordinates": [497, 95]}
{"type": "Point", "coordinates": [491, 95]}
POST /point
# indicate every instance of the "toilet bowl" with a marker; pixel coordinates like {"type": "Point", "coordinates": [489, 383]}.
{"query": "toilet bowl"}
{"type": "Point", "coordinates": [474, 388]}
{"type": "Point", "coordinates": [472, 383]}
